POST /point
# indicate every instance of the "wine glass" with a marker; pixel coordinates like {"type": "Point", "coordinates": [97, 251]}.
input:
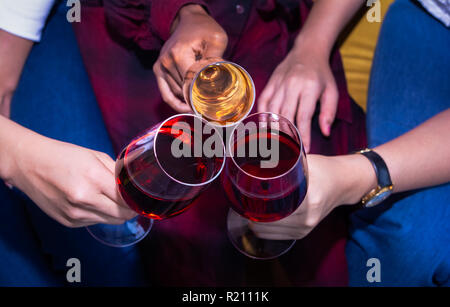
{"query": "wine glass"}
{"type": "Point", "coordinates": [222, 92]}
{"type": "Point", "coordinates": [265, 180]}
{"type": "Point", "coordinates": [160, 174]}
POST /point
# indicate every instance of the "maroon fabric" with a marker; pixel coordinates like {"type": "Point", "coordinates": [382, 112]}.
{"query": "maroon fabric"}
{"type": "Point", "coordinates": [120, 42]}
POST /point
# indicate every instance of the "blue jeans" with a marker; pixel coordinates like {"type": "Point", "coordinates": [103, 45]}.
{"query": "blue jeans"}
{"type": "Point", "coordinates": [54, 98]}
{"type": "Point", "coordinates": [410, 82]}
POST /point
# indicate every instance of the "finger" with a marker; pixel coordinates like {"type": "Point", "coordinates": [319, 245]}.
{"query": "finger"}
{"type": "Point", "coordinates": [112, 210]}
{"type": "Point", "coordinates": [107, 161]}
{"type": "Point", "coordinates": [106, 204]}
{"type": "Point", "coordinates": [169, 66]}
{"type": "Point", "coordinates": [276, 101]}
{"type": "Point", "coordinates": [167, 94]}
{"type": "Point", "coordinates": [92, 218]}
{"type": "Point", "coordinates": [275, 236]}
{"type": "Point", "coordinates": [108, 189]}
{"type": "Point", "coordinates": [182, 62]}
{"type": "Point", "coordinates": [82, 215]}
{"type": "Point", "coordinates": [282, 225]}
{"type": "Point", "coordinates": [328, 107]}
{"type": "Point", "coordinates": [174, 87]}
{"type": "Point", "coordinates": [306, 108]}
{"type": "Point", "coordinates": [278, 232]}
{"type": "Point", "coordinates": [290, 104]}
{"type": "Point", "coordinates": [264, 98]}
{"type": "Point", "coordinates": [266, 94]}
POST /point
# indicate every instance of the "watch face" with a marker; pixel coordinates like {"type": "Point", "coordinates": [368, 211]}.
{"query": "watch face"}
{"type": "Point", "coordinates": [379, 197]}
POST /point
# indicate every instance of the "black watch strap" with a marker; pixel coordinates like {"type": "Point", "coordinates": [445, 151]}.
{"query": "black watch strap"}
{"type": "Point", "coordinates": [381, 170]}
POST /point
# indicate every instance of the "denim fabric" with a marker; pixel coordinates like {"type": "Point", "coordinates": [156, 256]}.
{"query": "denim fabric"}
{"type": "Point", "coordinates": [54, 98]}
{"type": "Point", "coordinates": [410, 82]}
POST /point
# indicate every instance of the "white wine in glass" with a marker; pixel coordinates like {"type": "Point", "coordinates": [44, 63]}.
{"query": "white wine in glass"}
{"type": "Point", "coordinates": [220, 91]}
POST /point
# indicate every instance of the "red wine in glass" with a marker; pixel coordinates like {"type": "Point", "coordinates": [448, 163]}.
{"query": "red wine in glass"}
{"type": "Point", "coordinates": [148, 190]}
{"type": "Point", "coordinates": [262, 192]}
{"type": "Point", "coordinates": [266, 199]}
{"type": "Point", "coordinates": [161, 173]}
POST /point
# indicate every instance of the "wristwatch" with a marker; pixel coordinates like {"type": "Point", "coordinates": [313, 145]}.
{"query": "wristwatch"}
{"type": "Point", "coordinates": [384, 187]}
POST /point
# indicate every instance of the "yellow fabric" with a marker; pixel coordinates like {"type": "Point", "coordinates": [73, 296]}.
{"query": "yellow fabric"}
{"type": "Point", "coordinates": [357, 52]}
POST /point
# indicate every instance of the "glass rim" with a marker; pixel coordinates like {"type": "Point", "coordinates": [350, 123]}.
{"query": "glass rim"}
{"type": "Point", "coordinates": [170, 176]}
{"type": "Point", "coordinates": [296, 131]}
{"type": "Point", "coordinates": [253, 92]}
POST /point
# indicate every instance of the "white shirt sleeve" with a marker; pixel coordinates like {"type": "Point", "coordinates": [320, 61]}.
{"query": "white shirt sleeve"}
{"type": "Point", "coordinates": [24, 18]}
{"type": "Point", "coordinates": [439, 9]}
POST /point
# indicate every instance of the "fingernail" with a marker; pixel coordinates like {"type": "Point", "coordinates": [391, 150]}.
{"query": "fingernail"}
{"type": "Point", "coordinates": [328, 129]}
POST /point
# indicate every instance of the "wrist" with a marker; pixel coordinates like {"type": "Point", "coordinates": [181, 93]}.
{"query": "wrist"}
{"type": "Point", "coordinates": [8, 164]}
{"type": "Point", "coordinates": [5, 149]}
{"type": "Point", "coordinates": [191, 9]}
{"type": "Point", "coordinates": [358, 178]}
{"type": "Point", "coordinates": [187, 11]}
{"type": "Point", "coordinates": [17, 146]}
{"type": "Point", "coordinates": [314, 46]}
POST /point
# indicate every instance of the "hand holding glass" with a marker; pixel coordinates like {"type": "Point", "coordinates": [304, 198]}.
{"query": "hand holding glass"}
{"type": "Point", "coordinates": [220, 91]}
{"type": "Point", "coordinates": [265, 179]}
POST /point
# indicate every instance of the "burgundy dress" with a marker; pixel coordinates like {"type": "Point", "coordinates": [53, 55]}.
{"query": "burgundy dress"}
{"type": "Point", "coordinates": [119, 41]}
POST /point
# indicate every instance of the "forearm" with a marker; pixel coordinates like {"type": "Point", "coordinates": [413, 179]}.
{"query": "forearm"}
{"type": "Point", "coordinates": [10, 135]}
{"type": "Point", "coordinates": [324, 23]}
{"type": "Point", "coordinates": [419, 158]}
{"type": "Point", "coordinates": [12, 138]}
{"type": "Point", "coordinates": [13, 53]}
